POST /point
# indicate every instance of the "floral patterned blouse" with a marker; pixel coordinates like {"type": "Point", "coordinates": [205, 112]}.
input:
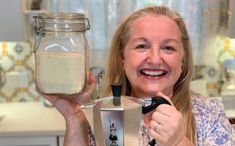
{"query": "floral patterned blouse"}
{"type": "Point", "coordinates": [212, 126]}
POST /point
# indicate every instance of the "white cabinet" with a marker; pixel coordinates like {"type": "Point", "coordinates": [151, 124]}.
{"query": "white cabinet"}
{"type": "Point", "coordinates": [29, 141]}
{"type": "Point", "coordinates": [61, 140]}
{"type": "Point", "coordinates": [30, 124]}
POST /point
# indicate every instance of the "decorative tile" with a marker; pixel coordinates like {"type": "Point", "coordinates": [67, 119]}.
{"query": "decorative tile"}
{"type": "Point", "coordinates": [3, 100]}
{"type": "Point", "coordinates": [33, 92]}
{"type": "Point", "coordinates": [7, 63]}
{"type": "Point", "coordinates": [22, 96]}
{"type": "Point", "coordinates": [18, 48]}
{"type": "Point", "coordinates": [11, 84]}
{"type": "Point", "coordinates": [17, 61]}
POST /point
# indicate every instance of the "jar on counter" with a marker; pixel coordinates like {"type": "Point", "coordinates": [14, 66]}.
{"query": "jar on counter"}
{"type": "Point", "coordinates": [61, 53]}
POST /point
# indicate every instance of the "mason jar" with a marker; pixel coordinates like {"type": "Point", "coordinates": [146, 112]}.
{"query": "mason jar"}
{"type": "Point", "coordinates": [61, 53]}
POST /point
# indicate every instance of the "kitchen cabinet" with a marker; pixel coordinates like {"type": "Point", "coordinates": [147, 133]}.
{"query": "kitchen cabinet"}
{"type": "Point", "coordinates": [61, 140]}
{"type": "Point", "coordinates": [29, 141]}
{"type": "Point", "coordinates": [30, 124]}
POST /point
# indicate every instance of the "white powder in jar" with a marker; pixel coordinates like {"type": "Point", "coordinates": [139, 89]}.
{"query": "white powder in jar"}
{"type": "Point", "coordinates": [60, 73]}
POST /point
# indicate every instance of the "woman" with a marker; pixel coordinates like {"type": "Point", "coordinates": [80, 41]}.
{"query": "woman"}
{"type": "Point", "coordinates": [151, 55]}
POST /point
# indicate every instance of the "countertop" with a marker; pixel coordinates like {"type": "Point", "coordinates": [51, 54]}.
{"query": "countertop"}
{"type": "Point", "coordinates": [30, 118]}
{"type": "Point", "coordinates": [229, 106]}
{"type": "Point", "coordinates": [230, 113]}
{"type": "Point", "coordinates": [34, 118]}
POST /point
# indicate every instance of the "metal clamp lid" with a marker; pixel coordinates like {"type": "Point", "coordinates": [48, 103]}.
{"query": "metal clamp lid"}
{"type": "Point", "coordinates": [62, 22]}
{"type": "Point", "coordinates": [58, 22]}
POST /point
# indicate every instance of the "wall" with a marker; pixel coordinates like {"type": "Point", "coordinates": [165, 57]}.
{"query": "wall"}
{"type": "Point", "coordinates": [214, 33]}
{"type": "Point", "coordinates": [17, 62]}
{"type": "Point", "coordinates": [216, 44]}
{"type": "Point", "coordinates": [11, 21]}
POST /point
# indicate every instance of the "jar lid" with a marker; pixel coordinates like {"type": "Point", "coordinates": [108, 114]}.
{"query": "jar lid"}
{"type": "Point", "coordinates": [61, 15]}
{"type": "Point", "coordinates": [63, 22]}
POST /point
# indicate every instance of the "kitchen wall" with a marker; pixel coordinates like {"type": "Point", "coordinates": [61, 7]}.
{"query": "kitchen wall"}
{"type": "Point", "coordinates": [17, 72]}
{"type": "Point", "coordinates": [216, 44]}
{"type": "Point", "coordinates": [202, 18]}
{"type": "Point", "coordinates": [12, 21]}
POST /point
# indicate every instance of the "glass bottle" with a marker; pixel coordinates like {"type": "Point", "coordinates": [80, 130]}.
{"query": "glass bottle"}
{"type": "Point", "coordinates": [61, 53]}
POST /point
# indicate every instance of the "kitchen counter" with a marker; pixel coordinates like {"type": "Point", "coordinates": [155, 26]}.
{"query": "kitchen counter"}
{"type": "Point", "coordinates": [30, 119]}
{"type": "Point", "coordinates": [230, 113]}
{"type": "Point", "coordinates": [229, 107]}
{"type": "Point", "coordinates": [34, 119]}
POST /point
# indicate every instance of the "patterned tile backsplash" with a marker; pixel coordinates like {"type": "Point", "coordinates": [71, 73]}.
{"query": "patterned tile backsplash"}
{"type": "Point", "coordinates": [17, 72]}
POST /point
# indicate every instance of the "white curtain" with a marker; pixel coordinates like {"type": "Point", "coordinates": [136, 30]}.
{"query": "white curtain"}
{"type": "Point", "coordinates": [104, 16]}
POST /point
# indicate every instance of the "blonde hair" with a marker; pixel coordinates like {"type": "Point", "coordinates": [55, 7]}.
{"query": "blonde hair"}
{"type": "Point", "coordinates": [114, 72]}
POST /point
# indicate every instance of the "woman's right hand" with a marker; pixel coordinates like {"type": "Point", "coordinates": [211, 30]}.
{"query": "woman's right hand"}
{"type": "Point", "coordinates": [76, 123]}
{"type": "Point", "coordinates": [69, 106]}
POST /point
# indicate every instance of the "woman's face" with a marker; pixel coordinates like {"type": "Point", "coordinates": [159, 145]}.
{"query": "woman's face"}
{"type": "Point", "coordinates": [153, 56]}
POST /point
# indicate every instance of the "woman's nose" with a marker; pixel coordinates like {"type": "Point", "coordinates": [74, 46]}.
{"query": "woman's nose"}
{"type": "Point", "coordinates": [154, 56]}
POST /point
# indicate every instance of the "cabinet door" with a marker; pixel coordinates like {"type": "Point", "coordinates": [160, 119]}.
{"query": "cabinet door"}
{"type": "Point", "coordinates": [61, 140]}
{"type": "Point", "coordinates": [29, 141]}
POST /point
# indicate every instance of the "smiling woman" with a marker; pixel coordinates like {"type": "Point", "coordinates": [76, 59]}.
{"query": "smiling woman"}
{"type": "Point", "coordinates": [151, 55]}
{"type": "Point", "coordinates": [149, 59]}
{"type": "Point", "coordinates": [142, 44]}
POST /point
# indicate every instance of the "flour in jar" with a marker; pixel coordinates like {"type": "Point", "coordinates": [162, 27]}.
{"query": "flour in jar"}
{"type": "Point", "coordinates": [60, 73]}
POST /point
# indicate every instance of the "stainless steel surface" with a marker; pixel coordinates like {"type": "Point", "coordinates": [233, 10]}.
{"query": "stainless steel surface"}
{"type": "Point", "coordinates": [116, 125]}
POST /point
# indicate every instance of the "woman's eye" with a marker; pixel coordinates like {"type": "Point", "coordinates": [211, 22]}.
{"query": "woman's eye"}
{"type": "Point", "coordinates": [142, 46]}
{"type": "Point", "coordinates": [168, 48]}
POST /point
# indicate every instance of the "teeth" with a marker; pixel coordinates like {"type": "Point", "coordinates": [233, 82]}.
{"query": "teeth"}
{"type": "Point", "coordinates": [153, 73]}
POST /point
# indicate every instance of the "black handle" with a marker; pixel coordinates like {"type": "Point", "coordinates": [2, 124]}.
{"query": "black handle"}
{"type": "Point", "coordinates": [154, 103]}
{"type": "Point", "coordinates": [152, 142]}
{"type": "Point", "coordinates": [117, 90]}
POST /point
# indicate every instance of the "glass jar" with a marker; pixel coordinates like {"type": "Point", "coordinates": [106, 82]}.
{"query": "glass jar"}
{"type": "Point", "coordinates": [61, 53]}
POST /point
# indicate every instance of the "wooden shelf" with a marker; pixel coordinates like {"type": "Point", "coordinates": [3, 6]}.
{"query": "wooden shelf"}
{"type": "Point", "coordinates": [34, 11]}
{"type": "Point", "coordinates": [28, 14]}
{"type": "Point", "coordinates": [26, 6]}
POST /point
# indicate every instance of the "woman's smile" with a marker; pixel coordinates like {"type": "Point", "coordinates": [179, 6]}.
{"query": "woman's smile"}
{"type": "Point", "coordinates": [151, 73]}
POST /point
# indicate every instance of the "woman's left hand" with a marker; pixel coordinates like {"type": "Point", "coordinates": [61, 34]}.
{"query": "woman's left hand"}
{"type": "Point", "coordinates": [165, 124]}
